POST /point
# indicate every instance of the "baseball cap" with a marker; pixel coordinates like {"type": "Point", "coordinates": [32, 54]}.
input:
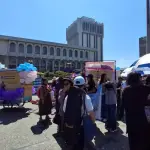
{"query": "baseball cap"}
{"type": "Point", "coordinates": [79, 80]}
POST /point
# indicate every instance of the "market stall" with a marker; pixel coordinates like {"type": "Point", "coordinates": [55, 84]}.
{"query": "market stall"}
{"type": "Point", "coordinates": [16, 84]}
{"type": "Point", "coordinates": [98, 68]}
{"type": "Point", "coordinates": [11, 91]}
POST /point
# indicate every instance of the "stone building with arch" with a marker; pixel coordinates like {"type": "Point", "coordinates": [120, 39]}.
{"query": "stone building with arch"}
{"type": "Point", "coordinates": [46, 56]}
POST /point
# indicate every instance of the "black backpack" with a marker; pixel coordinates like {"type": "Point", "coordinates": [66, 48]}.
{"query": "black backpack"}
{"type": "Point", "coordinates": [109, 85]}
{"type": "Point", "coordinates": [73, 113]}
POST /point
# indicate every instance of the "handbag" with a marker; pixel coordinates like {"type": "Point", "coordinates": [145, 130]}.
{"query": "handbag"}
{"type": "Point", "coordinates": [88, 125]}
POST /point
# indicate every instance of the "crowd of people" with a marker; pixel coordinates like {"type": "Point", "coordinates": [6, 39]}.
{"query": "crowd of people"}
{"type": "Point", "coordinates": [76, 112]}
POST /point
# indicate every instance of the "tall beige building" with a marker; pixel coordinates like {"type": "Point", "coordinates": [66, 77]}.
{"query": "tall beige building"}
{"type": "Point", "coordinates": [148, 25]}
{"type": "Point", "coordinates": [142, 46]}
{"type": "Point", "coordinates": [87, 33]}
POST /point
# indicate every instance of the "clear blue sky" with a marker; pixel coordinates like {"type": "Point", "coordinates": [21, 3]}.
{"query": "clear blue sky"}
{"type": "Point", "coordinates": [124, 22]}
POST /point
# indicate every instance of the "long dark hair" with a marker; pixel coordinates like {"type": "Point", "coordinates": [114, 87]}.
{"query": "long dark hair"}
{"type": "Point", "coordinates": [133, 79]}
{"type": "Point", "coordinates": [61, 82]}
{"type": "Point", "coordinates": [53, 83]}
{"type": "Point", "coordinates": [91, 82]}
{"type": "Point", "coordinates": [148, 80]}
{"type": "Point", "coordinates": [43, 80]}
{"type": "Point", "coordinates": [103, 78]}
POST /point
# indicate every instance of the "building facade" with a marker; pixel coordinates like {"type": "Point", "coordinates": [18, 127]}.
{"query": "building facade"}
{"type": "Point", "coordinates": [86, 32]}
{"type": "Point", "coordinates": [148, 26]}
{"type": "Point", "coordinates": [44, 55]}
{"type": "Point", "coordinates": [142, 46]}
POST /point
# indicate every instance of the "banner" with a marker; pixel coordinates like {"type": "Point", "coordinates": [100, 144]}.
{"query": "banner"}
{"type": "Point", "coordinates": [10, 78]}
{"type": "Point", "coordinates": [98, 68]}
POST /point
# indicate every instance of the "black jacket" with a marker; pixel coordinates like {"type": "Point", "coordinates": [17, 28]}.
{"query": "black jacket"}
{"type": "Point", "coordinates": [134, 100]}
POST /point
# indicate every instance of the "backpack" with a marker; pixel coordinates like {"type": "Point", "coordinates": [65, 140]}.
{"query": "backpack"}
{"type": "Point", "coordinates": [109, 85]}
{"type": "Point", "coordinates": [73, 113]}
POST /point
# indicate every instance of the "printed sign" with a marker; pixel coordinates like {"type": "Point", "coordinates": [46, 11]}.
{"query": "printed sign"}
{"type": "Point", "coordinates": [10, 78]}
{"type": "Point", "coordinates": [98, 68]}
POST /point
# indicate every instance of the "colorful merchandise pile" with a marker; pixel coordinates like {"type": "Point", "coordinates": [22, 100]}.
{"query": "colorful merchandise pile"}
{"type": "Point", "coordinates": [28, 74]}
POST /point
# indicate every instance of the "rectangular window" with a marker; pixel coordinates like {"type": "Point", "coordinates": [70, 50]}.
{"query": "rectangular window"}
{"type": "Point", "coordinates": [82, 38]}
{"type": "Point", "coordinates": [87, 40]}
{"type": "Point", "coordinates": [101, 41]}
{"type": "Point", "coordinates": [94, 41]}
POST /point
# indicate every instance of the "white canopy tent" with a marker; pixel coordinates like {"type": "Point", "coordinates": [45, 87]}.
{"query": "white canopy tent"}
{"type": "Point", "coordinates": [142, 66]}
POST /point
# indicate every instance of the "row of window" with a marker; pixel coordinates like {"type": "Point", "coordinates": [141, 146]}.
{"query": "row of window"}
{"type": "Point", "coordinates": [45, 50]}
{"type": "Point", "coordinates": [92, 27]}
{"type": "Point", "coordinates": [62, 64]}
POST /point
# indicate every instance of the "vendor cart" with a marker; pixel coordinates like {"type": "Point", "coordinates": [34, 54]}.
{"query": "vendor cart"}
{"type": "Point", "coordinates": [11, 98]}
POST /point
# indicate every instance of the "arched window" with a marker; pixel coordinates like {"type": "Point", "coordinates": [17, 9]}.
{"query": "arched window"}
{"type": "Point", "coordinates": [36, 63]}
{"type": "Point", "coordinates": [76, 53]}
{"type": "Point", "coordinates": [21, 48]}
{"type": "Point", "coordinates": [50, 66]}
{"type": "Point", "coordinates": [12, 62]}
{"type": "Point", "coordinates": [37, 49]}
{"type": "Point", "coordinates": [29, 49]}
{"type": "Point", "coordinates": [86, 54]}
{"type": "Point", "coordinates": [43, 65]}
{"type": "Point", "coordinates": [56, 65]}
{"type": "Point", "coordinates": [73, 64]}
{"type": "Point", "coordinates": [12, 47]}
{"type": "Point", "coordinates": [81, 54]}
{"type": "Point", "coordinates": [64, 52]}
{"type": "Point", "coordinates": [70, 53]}
{"type": "Point", "coordinates": [62, 65]}
{"type": "Point", "coordinates": [51, 51]}
{"type": "Point", "coordinates": [78, 65]}
{"type": "Point", "coordinates": [44, 50]}
{"type": "Point", "coordinates": [58, 51]}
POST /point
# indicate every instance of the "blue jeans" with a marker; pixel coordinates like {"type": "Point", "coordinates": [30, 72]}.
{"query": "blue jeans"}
{"type": "Point", "coordinates": [111, 123]}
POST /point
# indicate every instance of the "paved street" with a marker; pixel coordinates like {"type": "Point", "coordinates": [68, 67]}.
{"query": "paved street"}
{"type": "Point", "coordinates": [19, 131]}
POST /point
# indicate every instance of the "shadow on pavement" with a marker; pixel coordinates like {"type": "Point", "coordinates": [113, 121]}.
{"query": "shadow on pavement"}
{"type": "Point", "coordinates": [112, 140]}
{"type": "Point", "coordinates": [109, 141]}
{"type": "Point", "coordinates": [60, 141]}
{"type": "Point", "coordinates": [10, 115]}
{"type": "Point", "coordinates": [40, 127]}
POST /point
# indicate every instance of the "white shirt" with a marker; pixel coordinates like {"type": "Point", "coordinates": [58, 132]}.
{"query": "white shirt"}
{"type": "Point", "coordinates": [52, 94]}
{"type": "Point", "coordinates": [88, 104]}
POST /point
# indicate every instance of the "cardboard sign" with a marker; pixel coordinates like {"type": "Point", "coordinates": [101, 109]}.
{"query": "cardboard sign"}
{"type": "Point", "coordinates": [10, 78]}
